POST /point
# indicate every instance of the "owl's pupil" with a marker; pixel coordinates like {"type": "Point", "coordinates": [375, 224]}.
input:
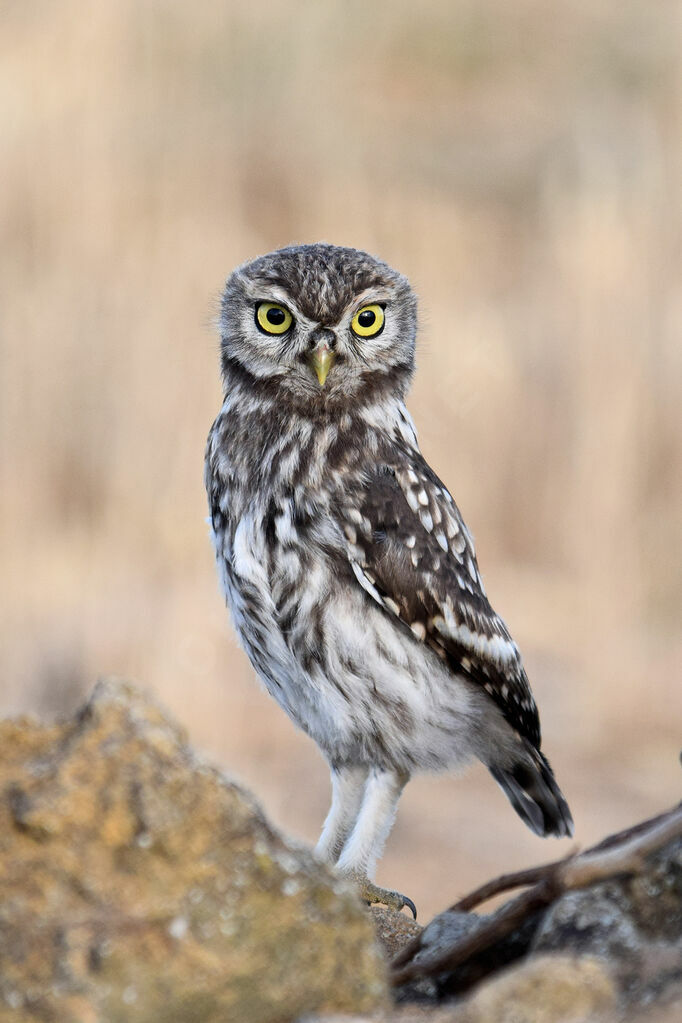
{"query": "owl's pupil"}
{"type": "Point", "coordinates": [275, 317]}
{"type": "Point", "coordinates": [367, 318]}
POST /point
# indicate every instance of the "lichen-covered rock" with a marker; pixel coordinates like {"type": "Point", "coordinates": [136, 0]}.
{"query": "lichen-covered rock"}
{"type": "Point", "coordinates": [440, 935]}
{"type": "Point", "coordinates": [544, 989]}
{"type": "Point", "coordinates": [633, 923]}
{"type": "Point", "coordinates": [394, 930]}
{"type": "Point", "coordinates": [436, 937]}
{"type": "Point", "coordinates": [139, 885]}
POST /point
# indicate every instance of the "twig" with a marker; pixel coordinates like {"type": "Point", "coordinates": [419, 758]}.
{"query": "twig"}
{"type": "Point", "coordinates": [487, 934]}
{"type": "Point", "coordinates": [523, 878]}
{"type": "Point", "coordinates": [626, 858]}
{"type": "Point", "coordinates": [619, 855]}
{"type": "Point", "coordinates": [519, 879]}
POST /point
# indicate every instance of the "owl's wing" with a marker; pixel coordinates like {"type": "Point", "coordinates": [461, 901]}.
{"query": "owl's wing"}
{"type": "Point", "coordinates": [411, 552]}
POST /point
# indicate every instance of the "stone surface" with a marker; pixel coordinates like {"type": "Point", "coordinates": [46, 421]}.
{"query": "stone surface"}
{"type": "Point", "coordinates": [548, 989]}
{"type": "Point", "coordinates": [138, 884]}
{"type": "Point", "coordinates": [544, 989]}
{"type": "Point", "coordinates": [633, 923]}
{"type": "Point", "coordinates": [440, 934]}
{"type": "Point", "coordinates": [394, 930]}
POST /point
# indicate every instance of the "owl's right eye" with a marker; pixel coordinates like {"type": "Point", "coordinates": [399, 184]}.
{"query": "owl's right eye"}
{"type": "Point", "coordinates": [273, 318]}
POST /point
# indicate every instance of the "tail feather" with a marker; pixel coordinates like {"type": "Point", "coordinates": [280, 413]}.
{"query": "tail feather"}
{"type": "Point", "coordinates": [530, 786]}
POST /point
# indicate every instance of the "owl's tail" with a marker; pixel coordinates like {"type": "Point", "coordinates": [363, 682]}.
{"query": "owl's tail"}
{"type": "Point", "coordinates": [533, 792]}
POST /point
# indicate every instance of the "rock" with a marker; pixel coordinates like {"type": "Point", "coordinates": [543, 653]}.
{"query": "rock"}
{"type": "Point", "coordinates": [138, 884]}
{"type": "Point", "coordinates": [439, 935]}
{"type": "Point", "coordinates": [633, 923]}
{"type": "Point", "coordinates": [394, 930]}
{"type": "Point", "coordinates": [444, 930]}
{"type": "Point", "coordinates": [544, 989]}
{"type": "Point", "coordinates": [667, 1011]}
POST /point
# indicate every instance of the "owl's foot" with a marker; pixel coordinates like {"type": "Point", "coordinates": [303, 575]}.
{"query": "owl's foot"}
{"type": "Point", "coordinates": [373, 895]}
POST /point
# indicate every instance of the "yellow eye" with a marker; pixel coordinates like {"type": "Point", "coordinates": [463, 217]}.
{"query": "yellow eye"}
{"type": "Point", "coordinates": [368, 321]}
{"type": "Point", "coordinates": [272, 318]}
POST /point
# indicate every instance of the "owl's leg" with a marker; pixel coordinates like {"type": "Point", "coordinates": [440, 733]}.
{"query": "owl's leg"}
{"type": "Point", "coordinates": [368, 837]}
{"type": "Point", "coordinates": [348, 787]}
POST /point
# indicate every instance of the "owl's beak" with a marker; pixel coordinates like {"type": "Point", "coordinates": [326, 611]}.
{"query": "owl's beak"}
{"type": "Point", "coordinates": [322, 358]}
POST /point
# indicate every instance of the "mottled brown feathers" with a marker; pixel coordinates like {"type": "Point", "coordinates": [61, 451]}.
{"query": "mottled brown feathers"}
{"type": "Point", "coordinates": [350, 574]}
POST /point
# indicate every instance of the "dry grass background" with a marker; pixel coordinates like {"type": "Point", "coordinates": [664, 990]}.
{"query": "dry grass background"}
{"type": "Point", "coordinates": [522, 163]}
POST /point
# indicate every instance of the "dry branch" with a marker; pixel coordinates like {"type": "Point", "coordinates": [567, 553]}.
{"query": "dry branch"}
{"type": "Point", "coordinates": [504, 883]}
{"type": "Point", "coordinates": [616, 856]}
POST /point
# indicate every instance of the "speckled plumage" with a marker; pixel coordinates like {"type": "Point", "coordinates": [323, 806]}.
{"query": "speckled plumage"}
{"type": "Point", "coordinates": [351, 577]}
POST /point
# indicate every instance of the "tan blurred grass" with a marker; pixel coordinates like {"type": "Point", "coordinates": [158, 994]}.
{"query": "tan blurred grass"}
{"type": "Point", "coordinates": [525, 170]}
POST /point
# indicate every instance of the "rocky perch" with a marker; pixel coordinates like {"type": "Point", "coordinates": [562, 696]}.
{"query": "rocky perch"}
{"type": "Point", "coordinates": [139, 884]}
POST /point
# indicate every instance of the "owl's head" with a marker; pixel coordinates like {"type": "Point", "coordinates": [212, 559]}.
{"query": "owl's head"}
{"type": "Point", "coordinates": [319, 324]}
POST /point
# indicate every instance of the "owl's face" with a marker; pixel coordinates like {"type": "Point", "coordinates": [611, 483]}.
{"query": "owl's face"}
{"type": "Point", "coordinates": [318, 323]}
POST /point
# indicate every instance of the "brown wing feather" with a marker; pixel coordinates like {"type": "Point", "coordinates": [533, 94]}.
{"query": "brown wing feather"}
{"type": "Point", "coordinates": [411, 551]}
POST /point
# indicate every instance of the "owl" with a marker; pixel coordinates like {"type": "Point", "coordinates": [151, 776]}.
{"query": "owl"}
{"type": "Point", "coordinates": [349, 573]}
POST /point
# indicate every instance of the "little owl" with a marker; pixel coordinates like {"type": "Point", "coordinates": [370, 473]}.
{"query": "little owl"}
{"type": "Point", "coordinates": [351, 577]}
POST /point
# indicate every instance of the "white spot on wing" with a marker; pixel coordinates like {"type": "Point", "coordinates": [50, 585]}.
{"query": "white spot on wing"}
{"type": "Point", "coordinates": [459, 543]}
{"type": "Point", "coordinates": [494, 648]}
{"type": "Point", "coordinates": [365, 583]}
{"type": "Point", "coordinates": [412, 500]}
{"type": "Point", "coordinates": [427, 521]}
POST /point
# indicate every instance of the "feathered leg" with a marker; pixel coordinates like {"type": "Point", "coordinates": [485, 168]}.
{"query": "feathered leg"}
{"type": "Point", "coordinates": [348, 788]}
{"type": "Point", "coordinates": [368, 837]}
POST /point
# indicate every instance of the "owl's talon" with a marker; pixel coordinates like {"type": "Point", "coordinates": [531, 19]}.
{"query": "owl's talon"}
{"type": "Point", "coordinates": [411, 906]}
{"type": "Point", "coordinates": [374, 895]}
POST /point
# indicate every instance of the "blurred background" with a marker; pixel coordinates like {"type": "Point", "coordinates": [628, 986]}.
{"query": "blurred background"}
{"type": "Point", "coordinates": [522, 164]}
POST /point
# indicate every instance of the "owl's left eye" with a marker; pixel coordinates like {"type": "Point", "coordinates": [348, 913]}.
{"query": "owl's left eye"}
{"type": "Point", "coordinates": [368, 321]}
{"type": "Point", "coordinates": [273, 318]}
